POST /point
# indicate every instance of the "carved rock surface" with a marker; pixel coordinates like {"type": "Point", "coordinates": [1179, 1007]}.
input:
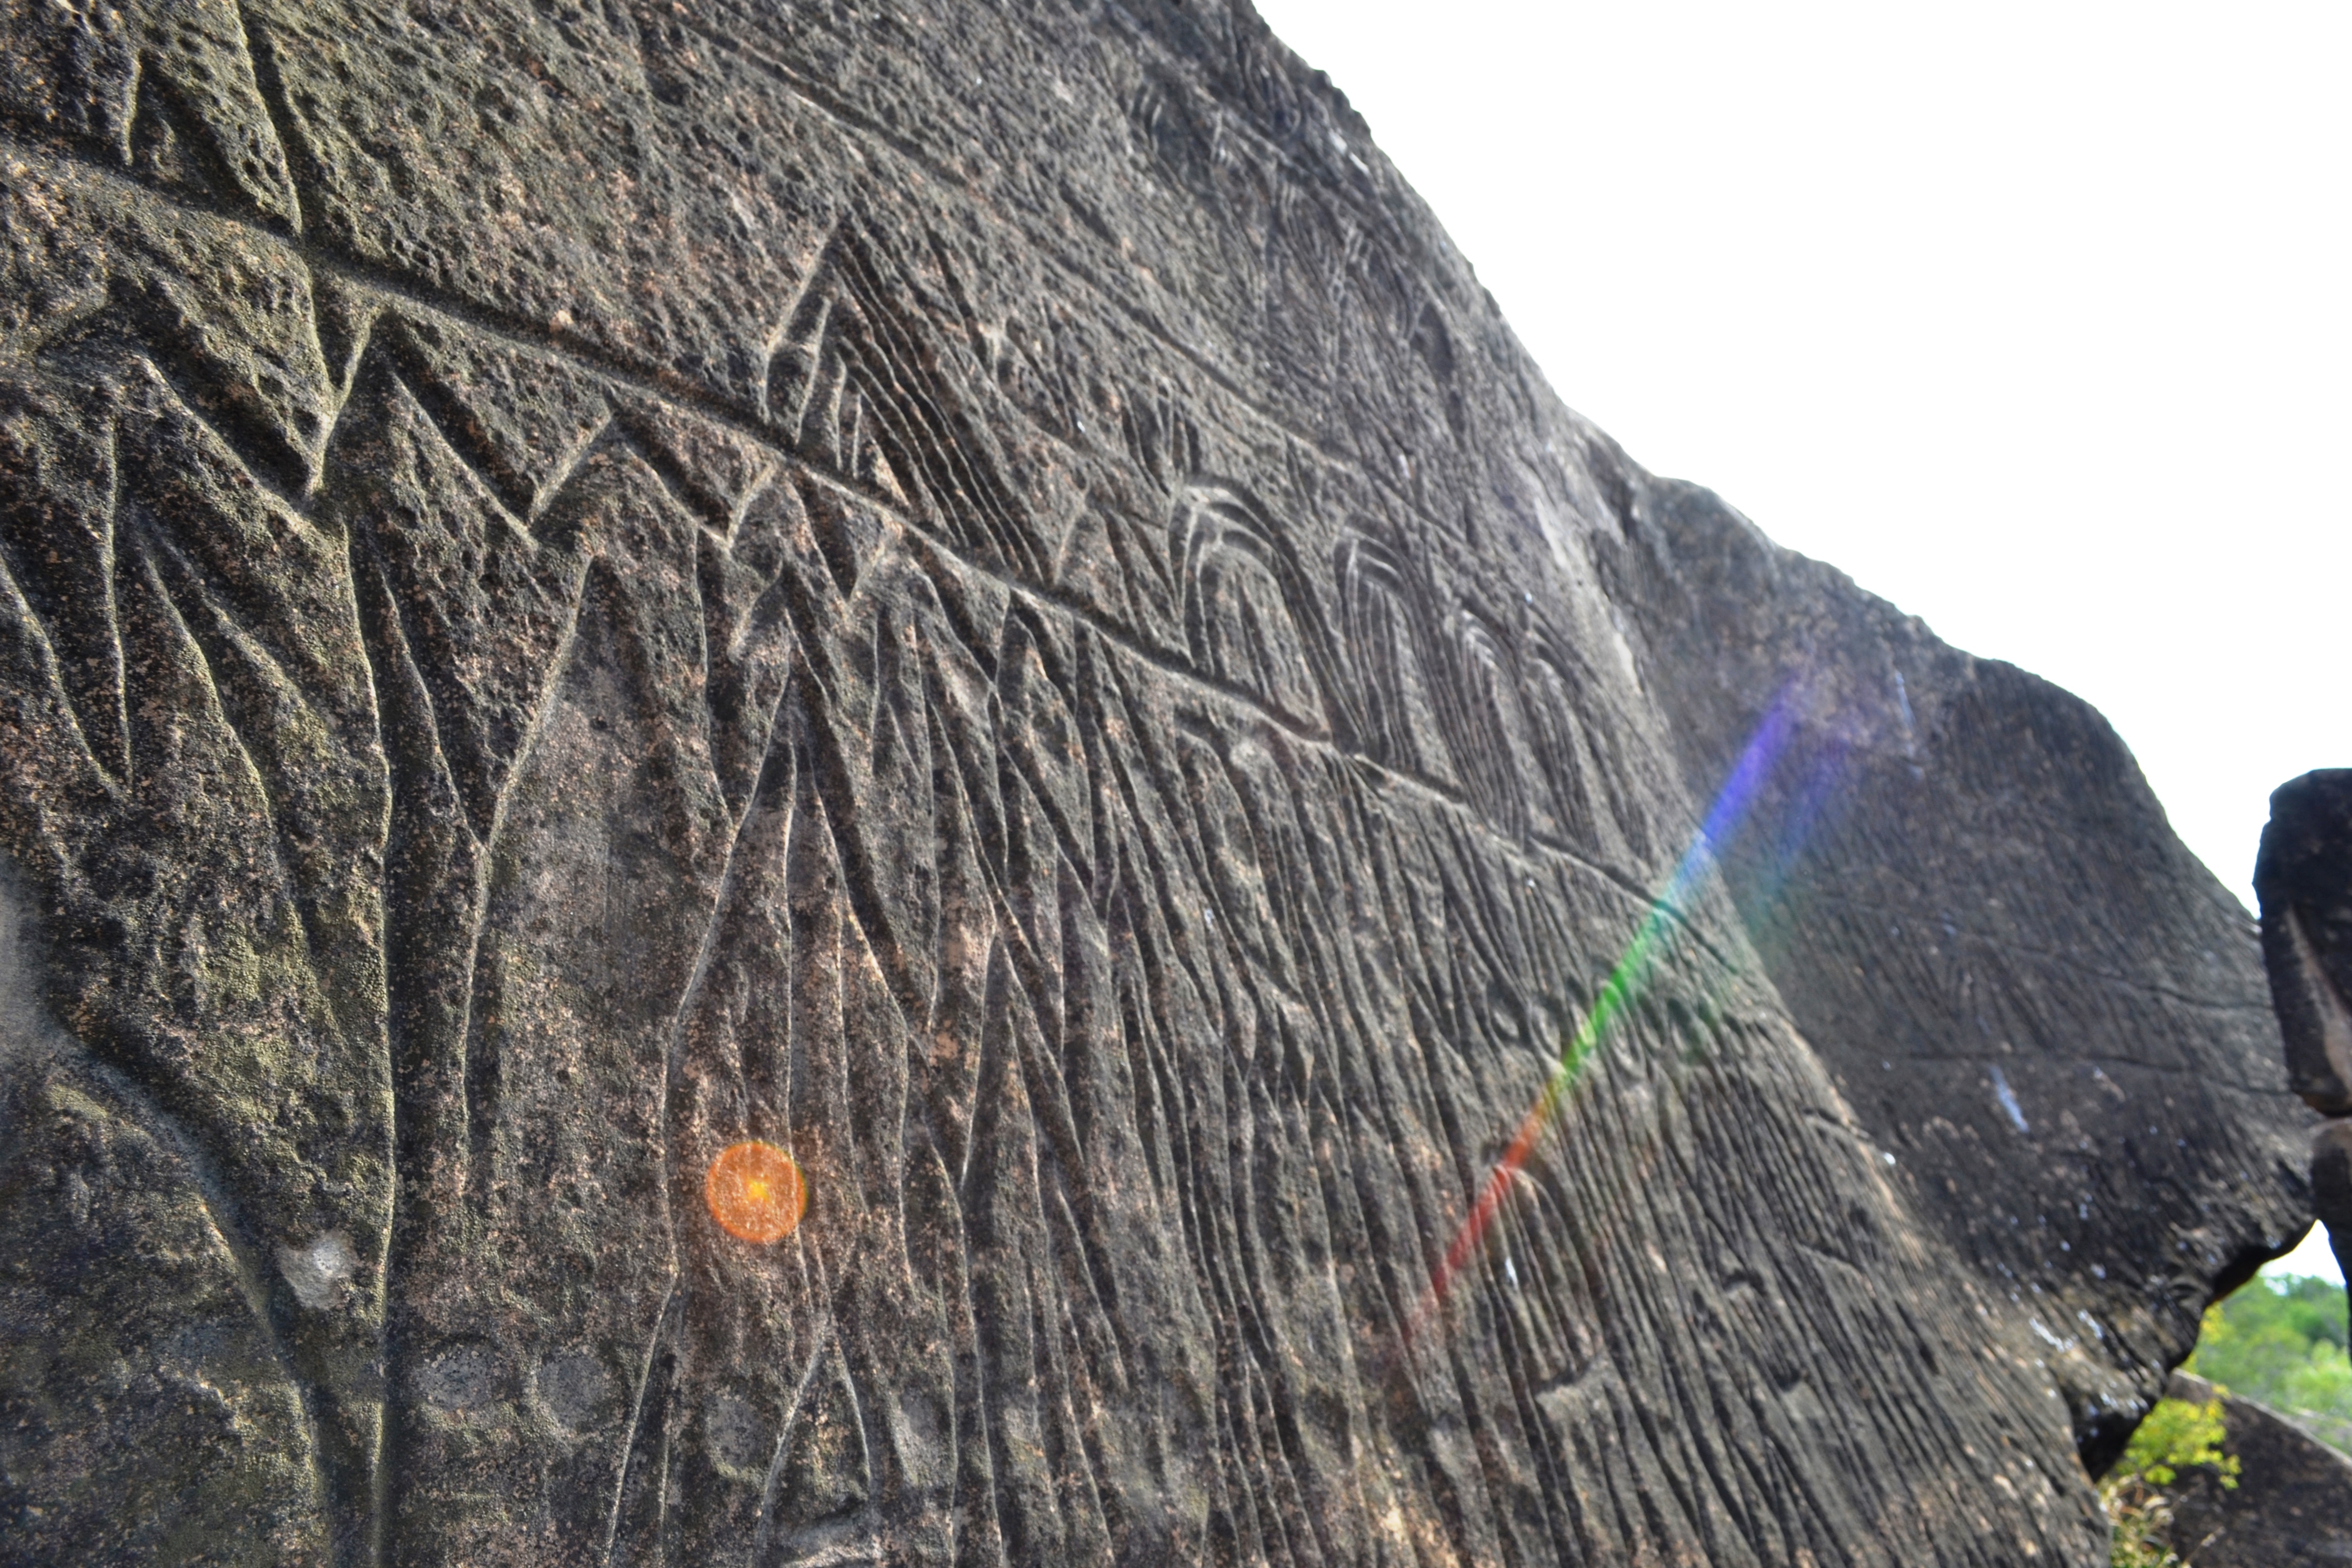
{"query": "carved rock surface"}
{"type": "Point", "coordinates": [975, 591]}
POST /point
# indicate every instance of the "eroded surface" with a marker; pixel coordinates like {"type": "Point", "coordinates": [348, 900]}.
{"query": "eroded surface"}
{"type": "Point", "coordinates": [976, 594]}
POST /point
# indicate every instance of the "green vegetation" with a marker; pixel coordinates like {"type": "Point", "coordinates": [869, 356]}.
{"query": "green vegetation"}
{"type": "Point", "coordinates": [2281, 1342]}
{"type": "Point", "coordinates": [2176, 1437]}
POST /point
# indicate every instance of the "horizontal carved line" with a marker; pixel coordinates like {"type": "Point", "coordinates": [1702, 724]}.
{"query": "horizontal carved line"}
{"type": "Point", "coordinates": [536, 339]}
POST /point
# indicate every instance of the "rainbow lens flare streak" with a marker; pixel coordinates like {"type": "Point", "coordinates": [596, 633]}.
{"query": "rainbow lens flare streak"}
{"type": "Point", "coordinates": [1625, 981]}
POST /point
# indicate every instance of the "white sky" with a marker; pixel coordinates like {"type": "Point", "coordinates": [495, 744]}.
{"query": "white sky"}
{"type": "Point", "coordinates": [2311, 1257]}
{"type": "Point", "coordinates": [2036, 319]}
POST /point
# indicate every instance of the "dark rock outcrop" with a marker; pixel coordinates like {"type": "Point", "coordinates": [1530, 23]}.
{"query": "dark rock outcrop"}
{"type": "Point", "coordinates": [2304, 880]}
{"type": "Point", "coordinates": [975, 591]}
{"type": "Point", "coordinates": [2023, 986]}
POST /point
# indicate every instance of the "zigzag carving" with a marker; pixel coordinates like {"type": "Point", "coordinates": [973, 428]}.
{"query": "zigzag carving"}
{"type": "Point", "coordinates": [854, 388]}
{"type": "Point", "coordinates": [167, 89]}
{"type": "Point", "coordinates": [478, 476]}
{"type": "Point", "coordinates": [472, 575]}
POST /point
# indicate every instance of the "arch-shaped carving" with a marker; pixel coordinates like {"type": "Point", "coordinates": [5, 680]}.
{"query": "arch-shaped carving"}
{"type": "Point", "coordinates": [1388, 611]}
{"type": "Point", "coordinates": [1250, 620]}
{"type": "Point", "coordinates": [1585, 792]}
{"type": "Point", "coordinates": [1492, 745]}
{"type": "Point", "coordinates": [1548, 682]}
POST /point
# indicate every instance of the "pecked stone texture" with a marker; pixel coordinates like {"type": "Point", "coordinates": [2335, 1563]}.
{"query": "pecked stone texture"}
{"type": "Point", "coordinates": [978, 593]}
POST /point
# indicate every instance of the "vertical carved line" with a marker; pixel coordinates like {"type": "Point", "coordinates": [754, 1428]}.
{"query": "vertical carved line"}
{"type": "Point", "coordinates": [262, 54]}
{"type": "Point", "coordinates": [342, 1490]}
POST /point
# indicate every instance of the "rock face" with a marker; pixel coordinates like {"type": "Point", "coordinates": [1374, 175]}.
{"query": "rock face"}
{"type": "Point", "coordinates": [2021, 983]}
{"type": "Point", "coordinates": [2303, 879]}
{"type": "Point", "coordinates": [975, 592]}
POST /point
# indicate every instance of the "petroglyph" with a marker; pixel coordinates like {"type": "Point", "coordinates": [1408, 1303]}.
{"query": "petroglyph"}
{"type": "Point", "coordinates": [977, 597]}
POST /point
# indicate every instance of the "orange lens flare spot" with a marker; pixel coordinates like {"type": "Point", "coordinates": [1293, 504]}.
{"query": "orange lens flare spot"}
{"type": "Point", "coordinates": [755, 1192]}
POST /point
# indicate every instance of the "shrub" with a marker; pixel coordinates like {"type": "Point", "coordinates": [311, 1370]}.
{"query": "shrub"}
{"type": "Point", "coordinates": [2281, 1342]}
{"type": "Point", "coordinates": [2176, 1437]}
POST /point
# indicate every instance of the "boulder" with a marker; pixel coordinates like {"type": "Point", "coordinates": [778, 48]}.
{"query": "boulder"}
{"type": "Point", "coordinates": [2292, 1507]}
{"type": "Point", "coordinates": [976, 594]}
{"type": "Point", "coordinates": [2025, 988]}
{"type": "Point", "coordinates": [2303, 879]}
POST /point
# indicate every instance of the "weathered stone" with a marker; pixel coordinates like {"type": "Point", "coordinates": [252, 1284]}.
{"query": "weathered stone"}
{"type": "Point", "coordinates": [2331, 1186]}
{"type": "Point", "coordinates": [2023, 986]}
{"type": "Point", "coordinates": [977, 593]}
{"type": "Point", "coordinates": [2304, 880]}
